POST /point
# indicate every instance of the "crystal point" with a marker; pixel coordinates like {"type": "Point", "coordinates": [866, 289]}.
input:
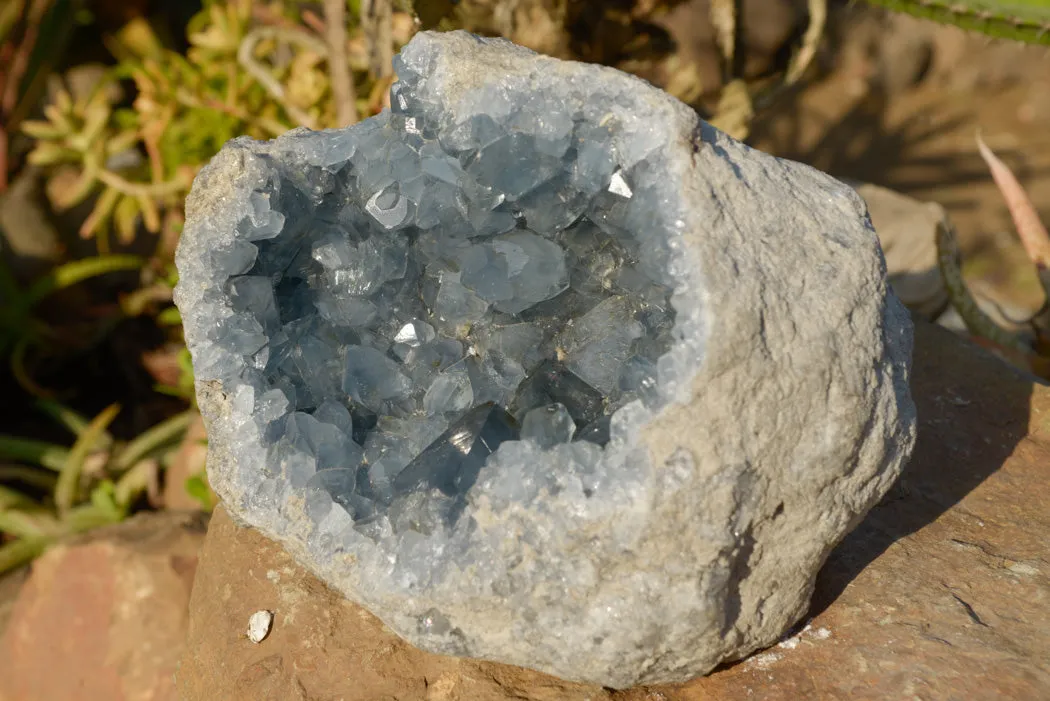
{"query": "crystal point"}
{"type": "Point", "coordinates": [452, 462]}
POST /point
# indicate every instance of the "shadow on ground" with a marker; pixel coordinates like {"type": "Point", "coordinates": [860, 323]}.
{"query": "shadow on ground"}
{"type": "Point", "coordinates": [970, 421]}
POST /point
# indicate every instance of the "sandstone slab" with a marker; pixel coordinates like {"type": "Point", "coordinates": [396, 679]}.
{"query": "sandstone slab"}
{"type": "Point", "coordinates": [104, 619]}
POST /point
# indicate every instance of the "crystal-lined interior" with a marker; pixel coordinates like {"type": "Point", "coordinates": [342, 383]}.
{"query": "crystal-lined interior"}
{"type": "Point", "coordinates": [432, 292]}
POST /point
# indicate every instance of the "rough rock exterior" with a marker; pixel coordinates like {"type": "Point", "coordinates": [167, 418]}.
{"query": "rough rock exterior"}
{"type": "Point", "coordinates": [781, 414]}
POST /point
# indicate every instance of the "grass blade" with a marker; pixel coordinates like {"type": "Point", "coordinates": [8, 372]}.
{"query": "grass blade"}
{"type": "Point", "coordinates": [74, 422]}
{"type": "Point", "coordinates": [20, 552]}
{"type": "Point", "coordinates": [31, 522]}
{"type": "Point", "coordinates": [88, 517]}
{"type": "Point", "coordinates": [69, 476]}
{"type": "Point", "coordinates": [12, 498]}
{"type": "Point", "coordinates": [28, 475]}
{"type": "Point", "coordinates": [80, 270]}
{"type": "Point", "coordinates": [70, 419]}
{"type": "Point", "coordinates": [165, 432]}
{"type": "Point", "coordinates": [48, 455]}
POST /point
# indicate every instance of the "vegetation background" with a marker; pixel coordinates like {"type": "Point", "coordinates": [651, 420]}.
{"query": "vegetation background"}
{"type": "Point", "coordinates": [108, 108]}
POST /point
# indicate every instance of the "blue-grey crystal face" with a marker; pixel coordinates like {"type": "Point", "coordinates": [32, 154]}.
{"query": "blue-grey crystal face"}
{"type": "Point", "coordinates": [433, 291]}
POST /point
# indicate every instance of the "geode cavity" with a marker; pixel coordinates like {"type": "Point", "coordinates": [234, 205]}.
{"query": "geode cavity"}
{"type": "Point", "coordinates": [540, 368]}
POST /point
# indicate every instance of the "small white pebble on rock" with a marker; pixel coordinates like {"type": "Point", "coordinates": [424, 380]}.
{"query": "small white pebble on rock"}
{"type": "Point", "coordinates": [259, 625]}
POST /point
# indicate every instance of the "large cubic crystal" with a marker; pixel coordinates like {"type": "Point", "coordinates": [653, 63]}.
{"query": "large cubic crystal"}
{"type": "Point", "coordinates": [541, 368]}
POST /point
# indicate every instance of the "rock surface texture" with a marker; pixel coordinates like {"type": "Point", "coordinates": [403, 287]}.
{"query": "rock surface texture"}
{"type": "Point", "coordinates": [541, 369]}
{"type": "Point", "coordinates": [940, 593]}
{"type": "Point", "coordinates": [104, 619]}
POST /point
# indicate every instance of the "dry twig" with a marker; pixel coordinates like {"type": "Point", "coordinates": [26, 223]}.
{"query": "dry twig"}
{"type": "Point", "coordinates": [246, 57]}
{"type": "Point", "coordinates": [724, 18]}
{"type": "Point", "coordinates": [818, 16]}
{"type": "Point", "coordinates": [377, 21]}
{"type": "Point", "coordinates": [338, 67]}
{"type": "Point", "coordinates": [14, 60]}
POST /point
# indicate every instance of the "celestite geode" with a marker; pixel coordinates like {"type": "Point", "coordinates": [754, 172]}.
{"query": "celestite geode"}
{"type": "Point", "coordinates": [540, 368]}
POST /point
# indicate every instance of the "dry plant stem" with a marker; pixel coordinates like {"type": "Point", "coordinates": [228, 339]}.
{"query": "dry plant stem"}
{"type": "Point", "coordinates": [13, 63]}
{"type": "Point", "coordinates": [311, 20]}
{"type": "Point", "coordinates": [151, 136]}
{"type": "Point", "coordinates": [1030, 229]}
{"type": "Point", "coordinates": [245, 57]}
{"type": "Point", "coordinates": [377, 20]}
{"type": "Point", "coordinates": [818, 16]}
{"type": "Point", "coordinates": [3, 158]}
{"type": "Point", "coordinates": [143, 477]}
{"type": "Point", "coordinates": [503, 17]}
{"type": "Point", "coordinates": [724, 14]}
{"type": "Point", "coordinates": [19, 61]}
{"type": "Point", "coordinates": [385, 38]}
{"type": "Point", "coordinates": [949, 261]}
{"type": "Point", "coordinates": [126, 187]}
{"type": "Point", "coordinates": [342, 82]}
{"type": "Point", "coordinates": [187, 99]}
{"type": "Point", "coordinates": [735, 110]}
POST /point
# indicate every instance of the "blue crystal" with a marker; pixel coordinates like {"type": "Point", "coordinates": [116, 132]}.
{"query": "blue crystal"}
{"type": "Point", "coordinates": [553, 383]}
{"type": "Point", "coordinates": [451, 463]}
{"type": "Point", "coordinates": [254, 294]}
{"type": "Point", "coordinates": [547, 426]}
{"type": "Point", "coordinates": [406, 290]}
{"type": "Point", "coordinates": [371, 378]}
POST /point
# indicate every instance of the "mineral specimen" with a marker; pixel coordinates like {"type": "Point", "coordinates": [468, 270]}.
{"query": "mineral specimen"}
{"type": "Point", "coordinates": [541, 368]}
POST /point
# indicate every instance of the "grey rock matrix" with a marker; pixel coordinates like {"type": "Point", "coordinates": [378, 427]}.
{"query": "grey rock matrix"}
{"type": "Point", "coordinates": [540, 368]}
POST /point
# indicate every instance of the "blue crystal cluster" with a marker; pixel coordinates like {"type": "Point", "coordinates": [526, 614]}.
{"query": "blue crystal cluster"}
{"type": "Point", "coordinates": [413, 295]}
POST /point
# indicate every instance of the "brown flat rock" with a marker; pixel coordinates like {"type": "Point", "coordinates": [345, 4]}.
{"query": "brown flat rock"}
{"type": "Point", "coordinates": [942, 592]}
{"type": "Point", "coordinates": [104, 618]}
{"type": "Point", "coordinates": [321, 646]}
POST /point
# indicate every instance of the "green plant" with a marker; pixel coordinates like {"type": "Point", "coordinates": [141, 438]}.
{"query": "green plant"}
{"type": "Point", "coordinates": [1027, 21]}
{"type": "Point", "coordinates": [21, 329]}
{"type": "Point", "coordinates": [94, 482]}
{"type": "Point", "coordinates": [33, 34]}
{"type": "Point", "coordinates": [198, 488]}
{"type": "Point", "coordinates": [251, 69]}
{"type": "Point", "coordinates": [256, 70]}
{"type": "Point", "coordinates": [1029, 344]}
